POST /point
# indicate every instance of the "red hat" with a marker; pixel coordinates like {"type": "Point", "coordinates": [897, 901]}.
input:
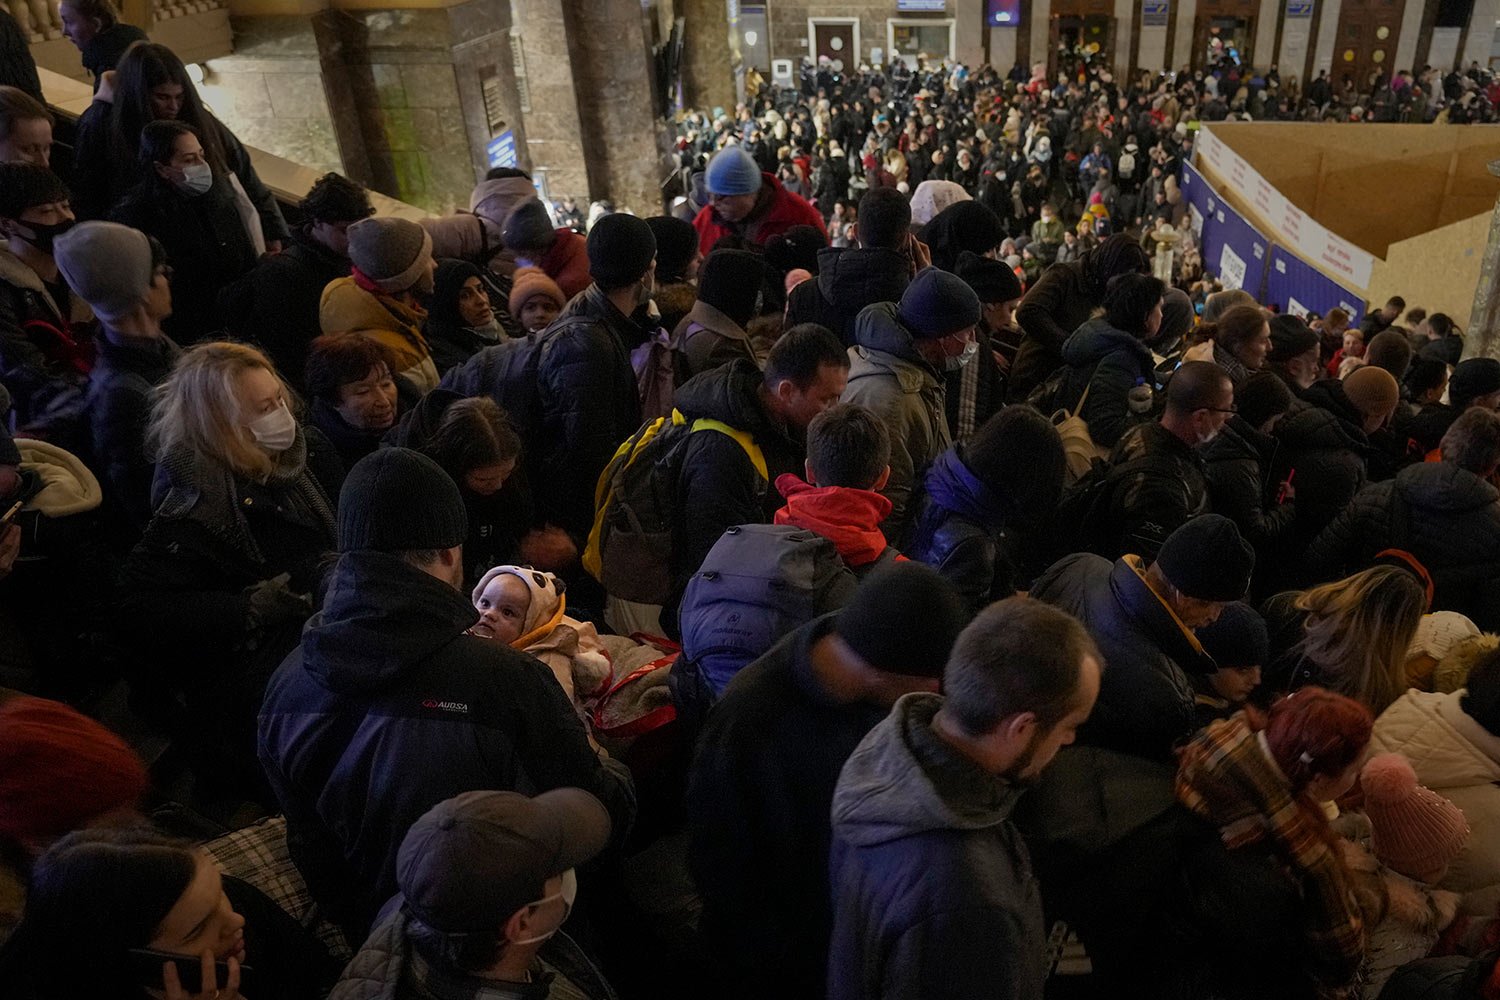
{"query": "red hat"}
{"type": "Point", "coordinates": [60, 769]}
{"type": "Point", "coordinates": [1415, 831]}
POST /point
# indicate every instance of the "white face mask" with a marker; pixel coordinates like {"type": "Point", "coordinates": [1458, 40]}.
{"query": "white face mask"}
{"type": "Point", "coordinates": [196, 179]}
{"type": "Point", "coordinates": [275, 431]}
{"type": "Point", "coordinates": [956, 363]}
{"type": "Point", "coordinates": [568, 892]}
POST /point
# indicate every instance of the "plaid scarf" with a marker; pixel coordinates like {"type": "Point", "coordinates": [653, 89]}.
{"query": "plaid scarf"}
{"type": "Point", "coordinates": [1226, 776]}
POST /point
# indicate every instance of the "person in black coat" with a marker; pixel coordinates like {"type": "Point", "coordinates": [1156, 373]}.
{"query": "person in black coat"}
{"type": "Point", "coordinates": [1446, 514]}
{"type": "Point", "coordinates": [976, 392]}
{"type": "Point", "coordinates": [460, 320]}
{"type": "Point", "coordinates": [762, 785]}
{"type": "Point", "coordinates": [1107, 357]}
{"type": "Point", "coordinates": [189, 203]}
{"type": "Point", "coordinates": [1445, 342]}
{"type": "Point", "coordinates": [389, 706]}
{"type": "Point", "coordinates": [978, 497]}
{"type": "Point", "coordinates": [217, 590]}
{"type": "Point", "coordinates": [355, 398]}
{"type": "Point", "coordinates": [152, 85]}
{"type": "Point", "coordinates": [102, 38]}
{"type": "Point", "coordinates": [17, 66]}
{"type": "Point", "coordinates": [848, 279]}
{"type": "Point", "coordinates": [1059, 303]}
{"type": "Point", "coordinates": [1474, 383]}
{"type": "Point", "coordinates": [276, 303]}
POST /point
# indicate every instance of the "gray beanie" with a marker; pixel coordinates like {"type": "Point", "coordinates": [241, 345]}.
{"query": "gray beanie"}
{"type": "Point", "coordinates": [391, 253]}
{"type": "Point", "coordinates": [529, 227]}
{"type": "Point", "coordinates": [105, 264]}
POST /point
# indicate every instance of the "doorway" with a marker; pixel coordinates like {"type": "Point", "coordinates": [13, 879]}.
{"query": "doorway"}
{"type": "Point", "coordinates": [755, 39]}
{"type": "Point", "coordinates": [834, 37]}
{"type": "Point", "coordinates": [1223, 42]}
{"type": "Point", "coordinates": [1079, 39]}
{"type": "Point", "coordinates": [1366, 41]}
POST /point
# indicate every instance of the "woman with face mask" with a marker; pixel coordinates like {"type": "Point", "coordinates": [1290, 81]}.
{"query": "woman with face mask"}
{"type": "Point", "coordinates": [461, 319]}
{"type": "Point", "coordinates": [219, 587]}
{"type": "Point", "coordinates": [188, 201]}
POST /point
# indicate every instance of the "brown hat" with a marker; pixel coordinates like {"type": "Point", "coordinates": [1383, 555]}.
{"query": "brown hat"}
{"type": "Point", "coordinates": [1372, 390]}
{"type": "Point", "coordinates": [529, 282]}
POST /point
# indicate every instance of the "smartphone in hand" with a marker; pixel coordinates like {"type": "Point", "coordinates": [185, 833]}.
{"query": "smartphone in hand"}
{"type": "Point", "coordinates": [146, 967]}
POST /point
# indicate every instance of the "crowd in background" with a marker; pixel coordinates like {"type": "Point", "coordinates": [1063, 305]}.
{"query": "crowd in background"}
{"type": "Point", "coordinates": [861, 582]}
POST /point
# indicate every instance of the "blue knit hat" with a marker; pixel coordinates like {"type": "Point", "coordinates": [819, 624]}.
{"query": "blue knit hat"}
{"type": "Point", "coordinates": [732, 171]}
{"type": "Point", "coordinates": [937, 304]}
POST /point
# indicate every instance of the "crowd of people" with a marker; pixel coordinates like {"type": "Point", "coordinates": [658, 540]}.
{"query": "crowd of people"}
{"type": "Point", "coordinates": [850, 591]}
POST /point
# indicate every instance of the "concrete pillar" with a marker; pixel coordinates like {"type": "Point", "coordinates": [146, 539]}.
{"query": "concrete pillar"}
{"type": "Point", "coordinates": [1480, 339]}
{"type": "Point", "coordinates": [707, 63]}
{"type": "Point", "coordinates": [1182, 43]}
{"type": "Point", "coordinates": [614, 74]}
{"type": "Point", "coordinates": [1265, 34]}
{"type": "Point", "coordinates": [1296, 33]}
{"type": "Point", "coordinates": [1124, 12]}
{"type": "Point", "coordinates": [554, 136]}
{"type": "Point", "coordinates": [1406, 42]}
{"type": "Point", "coordinates": [1041, 33]}
{"type": "Point", "coordinates": [968, 32]}
{"type": "Point", "coordinates": [1004, 44]}
{"type": "Point", "coordinates": [1481, 33]}
{"type": "Point", "coordinates": [1328, 30]}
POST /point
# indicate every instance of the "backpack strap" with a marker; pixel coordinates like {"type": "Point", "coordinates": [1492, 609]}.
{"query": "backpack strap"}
{"type": "Point", "coordinates": [744, 440]}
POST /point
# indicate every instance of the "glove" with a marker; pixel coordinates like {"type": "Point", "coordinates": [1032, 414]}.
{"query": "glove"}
{"type": "Point", "coordinates": [272, 602]}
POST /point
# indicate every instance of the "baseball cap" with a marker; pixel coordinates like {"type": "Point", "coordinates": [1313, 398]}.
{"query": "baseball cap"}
{"type": "Point", "coordinates": [473, 860]}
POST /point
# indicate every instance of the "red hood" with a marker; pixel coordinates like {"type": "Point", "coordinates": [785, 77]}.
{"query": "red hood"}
{"type": "Point", "coordinates": [847, 517]}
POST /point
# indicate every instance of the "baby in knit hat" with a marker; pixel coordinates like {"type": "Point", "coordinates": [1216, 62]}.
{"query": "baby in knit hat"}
{"type": "Point", "coordinates": [1414, 835]}
{"type": "Point", "coordinates": [524, 608]}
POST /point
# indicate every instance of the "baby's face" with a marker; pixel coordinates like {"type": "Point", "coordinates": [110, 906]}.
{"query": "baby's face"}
{"type": "Point", "coordinates": [502, 608]}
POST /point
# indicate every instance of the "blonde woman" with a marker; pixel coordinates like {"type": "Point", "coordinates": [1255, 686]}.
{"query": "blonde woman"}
{"type": "Point", "coordinates": [217, 591]}
{"type": "Point", "coordinates": [1350, 636]}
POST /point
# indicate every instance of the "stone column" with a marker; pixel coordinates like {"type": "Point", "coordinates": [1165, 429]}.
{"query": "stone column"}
{"type": "Point", "coordinates": [707, 61]}
{"type": "Point", "coordinates": [554, 136]}
{"type": "Point", "coordinates": [1328, 29]}
{"type": "Point", "coordinates": [1041, 35]}
{"type": "Point", "coordinates": [1480, 340]}
{"type": "Point", "coordinates": [1186, 12]}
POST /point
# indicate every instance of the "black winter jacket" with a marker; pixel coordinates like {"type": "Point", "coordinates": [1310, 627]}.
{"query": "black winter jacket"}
{"type": "Point", "coordinates": [206, 245]}
{"type": "Point", "coordinates": [1325, 447]}
{"type": "Point", "coordinates": [17, 65]}
{"type": "Point", "coordinates": [1108, 363]}
{"type": "Point", "coordinates": [276, 303]}
{"type": "Point", "coordinates": [387, 708]}
{"type": "Point", "coordinates": [1149, 503]}
{"type": "Point", "coordinates": [1059, 303]}
{"type": "Point", "coordinates": [959, 531]}
{"type": "Point", "coordinates": [847, 281]}
{"type": "Point", "coordinates": [589, 404]}
{"type": "Point", "coordinates": [1146, 696]}
{"type": "Point", "coordinates": [1237, 465]}
{"type": "Point", "coordinates": [758, 800]}
{"type": "Point", "coordinates": [1446, 516]}
{"type": "Point", "coordinates": [104, 50]}
{"type": "Point", "coordinates": [119, 409]}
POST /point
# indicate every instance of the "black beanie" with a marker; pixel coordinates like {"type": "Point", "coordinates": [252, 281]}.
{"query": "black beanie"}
{"type": "Point", "coordinates": [730, 281]}
{"type": "Point", "coordinates": [1290, 338]}
{"type": "Point", "coordinates": [903, 619]}
{"type": "Point", "coordinates": [1206, 559]}
{"type": "Point", "coordinates": [964, 225]}
{"type": "Point", "coordinates": [1472, 378]}
{"type": "Point", "coordinates": [397, 500]}
{"type": "Point", "coordinates": [797, 247]}
{"type": "Point", "coordinates": [528, 227]}
{"type": "Point", "coordinates": [676, 242]}
{"type": "Point", "coordinates": [621, 248]}
{"type": "Point", "coordinates": [937, 304]}
{"type": "Point", "coordinates": [1262, 396]}
{"type": "Point", "coordinates": [991, 280]}
{"type": "Point", "coordinates": [1238, 639]}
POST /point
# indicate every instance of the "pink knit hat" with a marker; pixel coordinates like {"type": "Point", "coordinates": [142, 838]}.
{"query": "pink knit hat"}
{"type": "Point", "coordinates": [1416, 831]}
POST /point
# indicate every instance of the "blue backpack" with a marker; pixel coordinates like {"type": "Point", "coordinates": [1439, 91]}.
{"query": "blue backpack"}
{"type": "Point", "coordinates": [758, 583]}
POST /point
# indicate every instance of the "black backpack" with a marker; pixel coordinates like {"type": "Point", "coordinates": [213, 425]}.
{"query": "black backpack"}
{"type": "Point", "coordinates": [507, 373]}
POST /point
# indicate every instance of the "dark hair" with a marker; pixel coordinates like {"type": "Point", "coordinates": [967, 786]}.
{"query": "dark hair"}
{"type": "Point", "coordinates": [1018, 454]}
{"type": "Point", "coordinates": [1481, 701]}
{"type": "Point", "coordinates": [1397, 301]}
{"type": "Point", "coordinates": [847, 445]}
{"type": "Point", "coordinates": [884, 218]}
{"type": "Point", "coordinates": [1389, 349]}
{"type": "Point", "coordinates": [1424, 375]}
{"type": "Point", "coordinates": [1236, 327]}
{"type": "Point", "coordinates": [336, 359]}
{"type": "Point", "coordinates": [335, 198]}
{"type": "Point", "coordinates": [1473, 441]}
{"type": "Point", "coordinates": [1196, 385]}
{"type": "Point", "coordinates": [103, 11]}
{"type": "Point", "coordinates": [1018, 655]}
{"type": "Point", "coordinates": [1119, 254]}
{"type": "Point", "coordinates": [1440, 323]}
{"type": "Point", "coordinates": [801, 353]}
{"type": "Point", "coordinates": [472, 434]}
{"type": "Point", "coordinates": [159, 141]}
{"type": "Point", "coordinates": [470, 952]}
{"type": "Point", "coordinates": [109, 886]}
{"type": "Point", "coordinates": [1129, 299]}
{"type": "Point", "coordinates": [26, 185]}
{"type": "Point", "coordinates": [17, 105]}
{"type": "Point", "coordinates": [502, 173]}
{"type": "Point", "coordinates": [144, 67]}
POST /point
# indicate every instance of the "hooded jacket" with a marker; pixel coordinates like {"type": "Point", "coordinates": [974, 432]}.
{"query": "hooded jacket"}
{"type": "Point", "coordinates": [570, 648]}
{"type": "Point", "coordinates": [1146, 697]}
{"type": "Point", "coordinates": [959, 530]}
{"type": "Point", "coordinates": [1165, 489]}
{"type": "Point", "coordinates": [1460, 760]}
{"type": "Point", "coordinates": [888, 377]}
{"type": "Point", "coordinates": [778, 211]}
{"type": "Point", "coordinates": [1059, 303]}
{"type": "Point", "coordinates": [566, 262]}
{"type": "Point", "coordinates": [1108, 363]}
{"type": "Point", "coordinates": [847, 281]}
{"type": "Point", "coordinates": [450, 341]}
{"type": "Point", "coordinates": [276, 303]}
{"type": "Point", "coordinates": [933, 893]}
{"type": "Point", "coordinates": [850, 518]}
{"type": "Point", "coordinates": [707, 338]}
{"type": "Point", "coordinates": [346, 307]}
{"type": "Point", "coordinates": [119, 410]}
{"type": "Point", "coordinates": [387, 708]}
{"type": "Point", "coordinates": [1326, 447]}
{"type": "Point", "coordinates": [1237, 465]}
{"type": "Point", "coordinates": [1444, 515]}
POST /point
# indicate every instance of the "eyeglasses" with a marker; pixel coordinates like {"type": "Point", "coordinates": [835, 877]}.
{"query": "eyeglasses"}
{"type": "Point", "coordinates": [1216, 409]}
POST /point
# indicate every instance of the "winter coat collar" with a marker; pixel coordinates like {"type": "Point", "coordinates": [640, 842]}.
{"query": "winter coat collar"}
{"type": "Point", "coordinates": [714, 320]}
{"type": "Point", "coordinates": [381, 618]}
{"type": "Point", "coordinates": [731, 394]}
{"type": "Point", "coordinates": [858, 274]}
{"type": "Point", "coordinates": [151, 359]}
{"type": "Point", "coordinates": [1239, 440]}
{"type": "Point", "coordinates": [848, 517]}
{"type": "Point", "coordinates": [1096, 340]}
{"type": "Point", "coordinates": [1444, 487]}
{"type": "Point", "coordinates": [66, 486]}
{"type": "Point", "coordinates": [1127, 581]}
{"type": "Point", "coordinates": [952, 486]}
{"type": "Point", "coordinates": [902, 782]}
{"type": "Point", "coordinates": [886, 347]}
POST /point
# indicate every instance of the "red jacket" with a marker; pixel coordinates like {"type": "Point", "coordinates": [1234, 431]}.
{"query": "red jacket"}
{"type": "Point", "coordinates": [567, 263]}
{"type": "Point", "coordinates": [785, 211]}
{"type": "Point", "coordinates": [847, 517]}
